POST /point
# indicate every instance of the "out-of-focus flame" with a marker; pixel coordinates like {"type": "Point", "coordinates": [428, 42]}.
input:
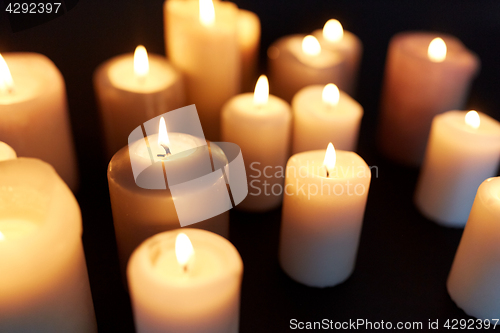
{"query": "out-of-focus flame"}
{"type": "Point", "coordinates": [331, 95]}
{"type": "Point", "coordinates": [183, 250]}
{"type": "Point", "coordinates": [310, 45]}
{"type": "Point", "coordinates": [6, 82]}
{"type": "Point", "coordinates": [207, 13]}
{"type": "Point", "coordinates": [261, 92]}
{"type": "Point", "coordinates": [333, 31]}
{"type": "Point", "coordinates": [472, 119]}
{"type": "Point", "coordinates": [437, 50]}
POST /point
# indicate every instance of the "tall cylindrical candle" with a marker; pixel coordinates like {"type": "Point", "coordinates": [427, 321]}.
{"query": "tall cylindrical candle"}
{"type": "Point", "coordinates": [182, 288]}
{"type": "Point", "coordinates": [462, 152]}
{"type": "Point", "coordinates": [248, 39]}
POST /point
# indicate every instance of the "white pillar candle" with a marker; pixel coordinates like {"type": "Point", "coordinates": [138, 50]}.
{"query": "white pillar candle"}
{"type": "Point", "coordinates": [323, 114]}
{"type": "Point", "coordinates": [461, 153]}
{"type": "Point", "coordinates": [34, 116]}
{"type": "Point", "coordinates": [260, 124]}
{"type": "Point", "coordinates": [474, 280]}
{"type": "Point", "coordinates": [44, 285]}
{"type": "Point", "coordinates": [131, 89]}
{"type": "Point", "coordinates": [202, 42]}
{"type": "Point", "coordinates": [6, 152]}
{"type": "Point", "coordinates": [333, 37]}
{"type": "Point", "coordinates": [186, 287]}
{"type": "Point", "coordinates": [421, 80]}
{"type": "Point", "coordinates": [248, 40]}
{"type": "Point", "coordinates": [140, 212]}
{"type": "Point", "coordinates": [297, 61]}
{"type": "Point", "coordinates": [322, 215]}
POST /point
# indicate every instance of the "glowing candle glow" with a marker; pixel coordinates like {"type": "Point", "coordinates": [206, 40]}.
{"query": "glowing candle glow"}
{"type": "Point", "coordinates": [6, 82]}
{"type": "Point", "coordinates": [333, 31]}
{"type": "Point", "coordinates": [331, 95]}
{"type": "Point", "coordinates": [261, 93]}
{"type": "Point", "coordinates": [141, 61]}
{"type": "Point", "coordinates": [184, 251]}
{"type": "Point", "coordinates": [472, 119]}
{"type": "Point", "coordinates": [437, 50]}
{"type": "Point", "coordinates": [207, 13]}
{"type": "Point", "coordinates": [330, 158]}
{"type": "Point", "coordinates": [310, 46]}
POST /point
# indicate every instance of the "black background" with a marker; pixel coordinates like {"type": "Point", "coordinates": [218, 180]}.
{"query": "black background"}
{"type": "Point", "coordinates": [403, 258]}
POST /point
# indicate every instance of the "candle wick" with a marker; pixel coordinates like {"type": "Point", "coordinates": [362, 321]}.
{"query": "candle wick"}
{"type": "Point", "coordinates": [327, 173]}
{"type": "Point", "coordinates": [185, 268]}
{"type": "Point", "coordinates": [167, 151]}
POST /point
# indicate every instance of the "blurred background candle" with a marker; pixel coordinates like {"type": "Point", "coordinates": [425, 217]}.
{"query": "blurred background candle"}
{"type": "Point", "coordinates": [201, 39]}
{"type": "Point", "coordinates": [131, 89]}
{"type": "Point", "coordinates": [297, 61]}
{"type": "Point", "coordinates": [44, 285]}
{"type": "Point", "coordinates": [333, 37]}
{"type": "Point", "coordinates": [323, 209]}
{"type": "Point", "coordinates": [422, 79]}
{"type": "Point", "coordinates": [186, 280]}
{"type": "Point", "coordinates": [473, 282]}
{"type": "Point", "coordinates": [260, 124]}
{"type": "Point", "coordinates": [249, 40]}
{"type": "Point", "coordinates": [323, 114]}
{"type": "Point", "coordinates": [34, 118]}
{"type": "Point", "coordinates": [6, 152]}
{"type": "Point", "coordinates": [463, 150]}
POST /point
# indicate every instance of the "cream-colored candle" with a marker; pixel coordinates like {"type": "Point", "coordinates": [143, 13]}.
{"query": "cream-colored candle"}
{"type": "Point", "coordinates": [323, 208]}
{"type": "Point", "coordinates": [6, 152]}
{"type": "Point", "coordinates": [463, 150]}
{"type": "Point", "coordinates": [249, 40]}
{"type": "Point", "coordinates": [473, 282]}
{"type": "Point", "coordinates": [44, 285]}
{"type": "Point", "coordinates": [202, 42]}
{"type": "Point", "coordinates": [333, 37]}
{"type": "Point", "coordinates": [298, 61]}
{"type": "Point", "coordinates": [131, 89]}
{"type": "Point", "coordinates": [33, 112]}
{"type": "Point", "coordinates": [186, 280]}
{"type": "Point", "coordinates": [143, 203]}
{"type": "Point", "coordinates": [425, 74]}
{"type": "Point", "coordinates": [260, 124]}
{"type": "Point", "coordinates": [323, 114]}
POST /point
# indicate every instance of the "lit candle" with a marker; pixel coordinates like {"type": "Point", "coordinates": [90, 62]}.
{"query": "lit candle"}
{"type": "Point", "coordinates": [323, 114]}
{"type": "Point", "coordinates": [248, 39]}
{"type": "Point", "coordinates": [6, 152]}
{"type": "Point", "coordinates": [463, 150]}
{"type": "Point", "coordinates": [475, 273]}
{"type": "Point", "coordinates": [323, 208]}
{"type": "Point", "coordinates": [298, 61]}
{"type": "Point", "coordinates": [185, 281]}
{"type": "Point", "coordinates": [131, 89]}
{"type": "Point", "coordinates": [44, 285]}
{"type": "Point", "coordinates": [34, 117]}
{"type": "Point", "coordinates": [142, 211]}
{"type": "Point", "coordinates": [260, 124]}
{"type": "Point", "coordinates": [424, 76]}
{"type": "Point", "coordinates": [201, 39]}
{"type": "Point", "coordinates": [333, 37]}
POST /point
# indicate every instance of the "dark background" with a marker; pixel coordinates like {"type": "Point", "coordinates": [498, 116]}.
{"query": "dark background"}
{"type": "Point", "coordinates": [403, 259]}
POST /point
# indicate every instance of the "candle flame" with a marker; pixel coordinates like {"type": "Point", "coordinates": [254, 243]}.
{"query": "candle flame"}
{"type": "Point", "coordinates": [333, 31]}
{"type": "Point", "coordinates": [331, 95]}
{"type": "Point", "coordinates": [330, 159]}
{"type": "Point", "coordinates": [163, 140]}
{"type": "Point", "coordinates": [207, 13]}
{"type": "Point", "coordinates": [437, 50]}
{"type": "Point", "coordinates": [310, 46]}
{"type": "Point", "coordinates": [183, 250]}
{"type": "Point", "coordinates": [6, 82]}
{"type": "Point", "coordinates": [141, 61]}
{"type": "Point", "coordinates": [261, 92]}
{"type": "Point", "coordinates": [472, 119]}
{"type": "Point", "coordinates": [2, 237]}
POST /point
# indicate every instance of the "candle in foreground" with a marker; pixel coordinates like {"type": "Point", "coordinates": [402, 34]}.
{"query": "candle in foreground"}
{"type": "Point", "coordinates": [186, 280]}
{"type": "Point", "coordinates": [6, 152]}
{"type": "Point", "coordinates": [333, 37]}
{"type": "Point", "coordinates": [463, 150]}
{"type": "Point", "coordinates": [425, 75]}
{"type": "Point", "coordinates": [131, 89]}
{"type": "Point", "coordinates": [201, 38]}
{"type": "Point", "coordinates": [248, 39]}
{"type": "Point", "coordinates": [44, 285]}
{"type": "Point", "coordinates": [323, 114]}
{"type": "Point", "coordinates": [298, 61]}
{"type": "Point", "coordinates": [323, 208]}
{"type": "Point", "coordinates": [139, 213]}
{"type": "Point", "coordinates": [474, 280]}
{"type": "Point", "coordinates": [260, 124]}
{"type": "Point", "coordinates": [34, 118]}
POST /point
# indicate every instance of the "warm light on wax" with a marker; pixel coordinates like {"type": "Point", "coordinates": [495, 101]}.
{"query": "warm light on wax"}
{"type": "Point", "coordinates": [207, 13]}
{"type": "Point", "coordinates": [437, 50]}
{"type": "Point", "coordinates": [6, 82]}
{"type": "Point", "coordinates": [141, 61]}
{"type": "Point", "coordinates": [333, 31]}
{"type": "Point", "coordinates": [163, 140]}
{"type": "Point", "coordinates": [330, 159]}
{"type": "Point", "coordinates": [331, 95]}
{"type": "Point", "coordinates": [261, 92]}
{"type": "Point", "coordinates": [183, 250]}
{"type": "Point", "coordinates": [2, 237]}
{"type": "Point", "coordinates": [472, 119]}
{"type": "Point", "coordinates": [310, 46]}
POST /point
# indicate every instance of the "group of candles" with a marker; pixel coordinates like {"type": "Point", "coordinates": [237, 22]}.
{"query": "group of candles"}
{"type": "Point", "coordinates": [188, 279]}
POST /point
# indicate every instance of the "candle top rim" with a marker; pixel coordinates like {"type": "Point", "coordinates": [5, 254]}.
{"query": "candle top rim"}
{"type": "Point", "coordinates": [489, 193]}
{"type": "Point", "coordinates": [455, 119]}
